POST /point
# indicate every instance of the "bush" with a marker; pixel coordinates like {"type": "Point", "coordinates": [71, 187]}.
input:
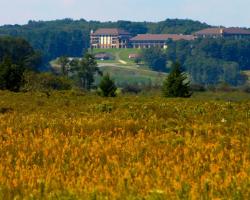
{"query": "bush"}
{"type": "Point", "coordinates": [4, 110]}
{"type": "Point", "coordinates": [45, 81]}
{"type": "Point", "coordinates": [246, 89]}
{"type": "Point", "coordinates": [224, 87]}
{"type": "Point", "coordinates": [135, 89]}
{"type": "Point", "coordinates": [107, 87]}
{"type": "Point", "coordinates": [197, 88]}
{"type": "Point", "coordinates": [211, 88]}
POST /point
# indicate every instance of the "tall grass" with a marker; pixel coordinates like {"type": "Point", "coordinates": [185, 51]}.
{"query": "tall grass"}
{"type": "Point", "coordinates": [76, 146]}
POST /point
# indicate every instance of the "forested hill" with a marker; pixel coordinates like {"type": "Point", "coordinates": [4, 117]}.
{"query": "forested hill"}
{"type": "Point", "coordinates": [71, 37]}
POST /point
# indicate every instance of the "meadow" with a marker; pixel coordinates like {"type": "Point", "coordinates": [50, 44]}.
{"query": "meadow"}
{"type": "Point", "coordinates": [72, 145]}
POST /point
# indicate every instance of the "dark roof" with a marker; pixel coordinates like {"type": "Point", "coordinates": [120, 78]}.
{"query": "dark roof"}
{"type": "Point", "coordinates": [234, 31]}
{"type": "Point", "coordinates": [210, 31]}
{"type": "Point", "coordinates": [110, 31]}
{"type": "Point", "coordinates": [225, 31]}
{"type": "Point", "coordinates": [161, 37]}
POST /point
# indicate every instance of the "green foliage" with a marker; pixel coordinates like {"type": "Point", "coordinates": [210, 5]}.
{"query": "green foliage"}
{"type": "Point", "coordinates": [86, 69]}
{"type": "Point", "coordinates": [11, 75]}
{"type": "Point", "coordinates": [107, 87]}
{"type": "Point", "coordinates": [53, 38]}
{"type": "Point", "coordinates": [45, 82]}
{"type": "Point", "coordinates": [20, 52]}
{"type": "Point", "coordinates": [64, 63]}
{"type": "Point", "coordinates": [175, 85]}
{"type": "Point", "coordinates": [155, 58]}
{"type": "Point", "coordinates": [16, 56]}
{"type": "Point", "coordinates": [178, 26]}
{"type": "Point", "coordinates": [132, 88]}
{"type": "Point", "coordinates": [133, 27]}
{"type": "Point", "coordinates": [205, 61]}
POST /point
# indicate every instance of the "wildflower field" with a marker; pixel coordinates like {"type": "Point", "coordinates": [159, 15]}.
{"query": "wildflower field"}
{"type": "Point", "coordinates": [76, 146]}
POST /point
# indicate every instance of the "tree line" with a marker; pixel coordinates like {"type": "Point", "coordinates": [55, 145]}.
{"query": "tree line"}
{"type": "Point", "coordinates": [207, 61]}
{"type": "Point", "coordinates": [16, 57]}
{"type": "Point", "coordinates": [71, 37]}
{"type": "Point", "coordinates": [19, 70]}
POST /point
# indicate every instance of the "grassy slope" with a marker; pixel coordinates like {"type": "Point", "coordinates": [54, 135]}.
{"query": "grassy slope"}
{"type": "Point", "coordinates": [128, 73]}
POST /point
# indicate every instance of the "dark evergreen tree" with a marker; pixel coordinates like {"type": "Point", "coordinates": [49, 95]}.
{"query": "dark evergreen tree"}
{"type": "Point", "coordinates": [20, 52]}
{"type": "Point", "coordinates": [176, 84]}
{"type": "Point", "coordinates": [107, 87]}
{"type": "Point", "coordinates": [11, 75]}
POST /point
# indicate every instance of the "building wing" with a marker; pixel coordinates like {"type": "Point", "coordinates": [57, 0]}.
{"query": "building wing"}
{"type": "Point", "coordinates": [162, 37]}
{"type": "Point", "coordinates": [215, 32]}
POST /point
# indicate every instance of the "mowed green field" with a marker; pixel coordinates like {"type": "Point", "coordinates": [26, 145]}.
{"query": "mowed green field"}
{"type": "Point", "coordinates": [74, 145]}
{"type": "Point", "coordinates": [124, 75]}
{"type": "Point", "coordinates": [125, 71]}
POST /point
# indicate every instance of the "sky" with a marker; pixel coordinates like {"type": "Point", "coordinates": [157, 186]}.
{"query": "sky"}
{"type": "Point", "coordinates": [214, 12]}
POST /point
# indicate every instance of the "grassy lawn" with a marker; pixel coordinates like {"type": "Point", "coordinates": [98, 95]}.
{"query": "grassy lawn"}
{"type": "Point", "coordinates": [131, 75]}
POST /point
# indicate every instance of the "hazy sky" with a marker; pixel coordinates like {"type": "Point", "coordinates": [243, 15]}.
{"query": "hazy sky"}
{"type": "Point", "coordinates": [214, 12]}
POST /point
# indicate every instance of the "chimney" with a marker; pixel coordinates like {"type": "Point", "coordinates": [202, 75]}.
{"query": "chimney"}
{"type": "Point", "coordinates": [221, 31]}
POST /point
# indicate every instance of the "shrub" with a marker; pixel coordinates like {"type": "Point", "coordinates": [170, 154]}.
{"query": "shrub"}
{"type": "Point", "coordinates": [224, 87]}
{"type": "Point", "coordinates": [135, 89]}
{"type": "Point", "coordinates": [107, 87]}
{"type": "Point", "coordinates": [197, 88]}
{"type": "Point", "coordinates": [175, 85]}
{"type": "Point", "coordinates": [4, 110]}
{"type": "Point", "coordinates": [45, 81]}
{"type": "Point", "coordinates": [246, 88]}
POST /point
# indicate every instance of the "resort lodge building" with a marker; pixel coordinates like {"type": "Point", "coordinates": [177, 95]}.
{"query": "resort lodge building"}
{"type": "Point", "coordinates": [236, 33]}
{"type": "Point", "coordinates": [117, 38]}
{"type": "Point", "coordinates": [106, 38]}
{"type": "Point", "coordinates": [156, 40]}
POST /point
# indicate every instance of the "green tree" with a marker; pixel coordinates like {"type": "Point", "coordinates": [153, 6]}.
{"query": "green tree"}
{"type": "Point", "coordinates": [64, 63]}
{"type": "Point", "coordinates": [155, 57]}
{"type": "Point", "coordinates": [86, 70]}
{"type": "Point", "coordinates": [176, 84]}
{"type": "Point", "coordinates": [11, 75]}
{"type": "Point", "coordinates": [20, 52]}
{"type": "Point", "coordinates": [107, 87]}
